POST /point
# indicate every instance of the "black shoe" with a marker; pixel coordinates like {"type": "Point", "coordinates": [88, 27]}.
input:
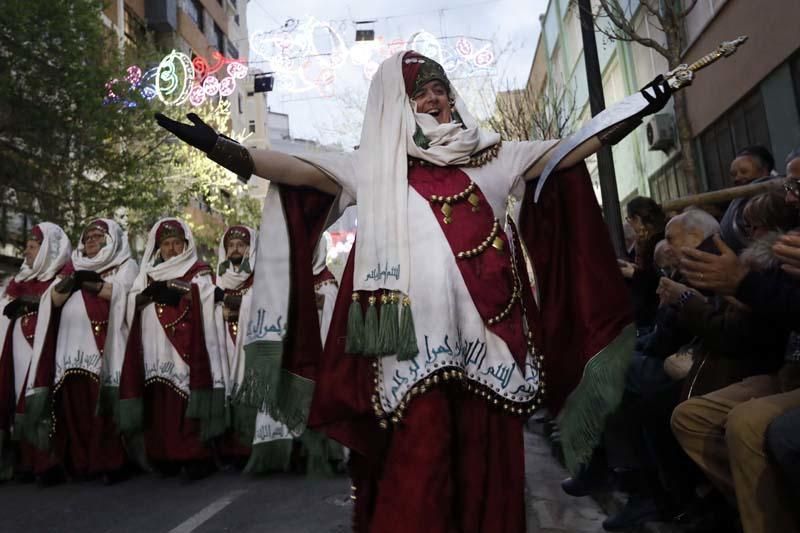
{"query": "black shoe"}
{"type": "Point", "coordinates": [195, 471]}
{"type": "Point", "coordinates": [638, 510]}
{"type": "Point", "coordinates": [585, 482]}
{"type": "Point", "coordinates": [116, 476]}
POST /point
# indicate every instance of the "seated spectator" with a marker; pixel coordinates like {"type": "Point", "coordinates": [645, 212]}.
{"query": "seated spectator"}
{"type": "Point", "coordinates": [665, 259]}
{"type": "Point", "coordinates": [646, 219]}
{"type": "Point", "coordinates": [753, 164]}
{"type": "Point", "coordinates": [724, 431]}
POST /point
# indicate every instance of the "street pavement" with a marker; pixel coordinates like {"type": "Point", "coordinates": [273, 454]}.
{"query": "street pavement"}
{"type": "Point", "coordinates": [231, 502]}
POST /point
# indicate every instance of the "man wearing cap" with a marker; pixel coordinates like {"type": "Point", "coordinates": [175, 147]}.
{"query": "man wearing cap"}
{"type": "Point", "coordinates": [235, 263]}
{"type": "Point", "coordinates": [434, 357]}
{"type": "Point", "coordinates": [25, 316]}
{"type": "Point", "coordinates": [81, 365]}
{"type": "Point", "coordinates": [172, 384]}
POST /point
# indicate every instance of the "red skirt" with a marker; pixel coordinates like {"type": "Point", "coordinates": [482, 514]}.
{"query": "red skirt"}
{"type": "Point", "coordinates": [87, 444]}
{"type": "Point", "coordinates": [168, 434]}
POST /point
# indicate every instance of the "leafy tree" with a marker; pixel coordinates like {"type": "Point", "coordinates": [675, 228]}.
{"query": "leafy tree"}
{"type": "Point", "coordinates": [69, 153]}
{"type": "Point", "coordinates": [618, 20]}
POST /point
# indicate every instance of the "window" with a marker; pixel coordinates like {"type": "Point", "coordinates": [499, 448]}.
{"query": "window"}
{"type": "Point", "coordinates": [195, 11]}
{"type": "Point", "coordinates": [239, 97]}
{"type": "Point", "coordinates": [219, 39]}
{"type": "Point", "coordinates": [134, 27]}
{"type": "Point", "coordinates": [667, 183]}
{"type": "Point", "coordinates": [251, 126]}
{"type": "Point", "coordinates": [232, 51]}
{"type": "Point", "coordinates": [236, 18]}
{"type": "Point", "coordinates": [742, 125]}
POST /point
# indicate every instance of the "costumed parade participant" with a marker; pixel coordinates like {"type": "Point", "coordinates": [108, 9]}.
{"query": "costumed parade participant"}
{"type": "Point", "coordinates": [172, 386]}
{"type": "Point", "coordinates": [25, 310]}
{"type": "Point", "coordinates": [235, 262]}
{"type": "Point", "coordinates": [434, 356]}
{"type": "Point", "coordinates": [76, 370]}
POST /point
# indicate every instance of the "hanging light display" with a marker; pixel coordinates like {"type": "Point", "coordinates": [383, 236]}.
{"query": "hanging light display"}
{"type": "Point", "coordinates": [178, 79]}
{"type": "Point", "coordinates": [306, 55]}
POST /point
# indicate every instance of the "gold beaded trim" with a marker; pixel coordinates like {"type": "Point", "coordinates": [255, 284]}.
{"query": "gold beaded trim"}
{"type": "Point", "coordinates": [444, 375]}
{"type": "Point", "coordinates": [76, 372]}
{"type": "Point", "coordinates": [492, 240]}
{"type": "Point", "coordinates": [240, 292]}
{"type": "Point", "coordinates": [476, 160]}
{"type": "Point", "coordinates": [454, 198]}
{"type": "Point", "coordinates": [165, 381]}
{"type": "Point", "coordinates": [159, 310]}
{"type": "Point", "coordinates": [505, 312]}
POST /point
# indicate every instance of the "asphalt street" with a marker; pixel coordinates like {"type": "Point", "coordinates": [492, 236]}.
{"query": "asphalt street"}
{"type": "Point", "coordinates": [229, 501]}
{"type": "Point", "coordinates": [225, 501]}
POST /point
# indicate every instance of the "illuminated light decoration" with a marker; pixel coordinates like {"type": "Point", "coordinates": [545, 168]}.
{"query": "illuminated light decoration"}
{"type": "Point", "coordinates": [305, 55]}
{"type": "Point", "coordinates": [174, 78]}
{"type": "Point", "coordinates": [178, 79]}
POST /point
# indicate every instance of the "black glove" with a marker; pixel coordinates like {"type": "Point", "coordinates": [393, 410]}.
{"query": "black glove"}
{"type": "Point", "coordinates": [13, 309]}
{"type": "Point", "coordinates": [657, 93]}
{"type": "Point", "coordinates": [219, 295]}
{"type": "Point", "coordinates": [67, 285]}
{"type": "Point", "coordinates": [201, 135]}
{"type": "Point", "coordinates": [87, 276]}
{"type": "Point", "coordinates": [160, 293]}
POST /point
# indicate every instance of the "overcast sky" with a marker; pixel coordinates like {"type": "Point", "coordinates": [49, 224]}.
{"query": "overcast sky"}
{"type": "Point", "coordinates": [512, 25]}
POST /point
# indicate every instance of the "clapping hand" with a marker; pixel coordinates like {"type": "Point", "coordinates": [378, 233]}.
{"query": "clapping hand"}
{"type": "Point", "coordinates": [719, 273]}
{"type": "Point", "coordinates": [787, 250]}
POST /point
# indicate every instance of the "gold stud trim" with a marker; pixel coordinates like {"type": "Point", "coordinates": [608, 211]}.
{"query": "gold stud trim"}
{"type": "Point", "coordinates": [171, 385]}
{"type": "Point", "coordinates": [488, 241]}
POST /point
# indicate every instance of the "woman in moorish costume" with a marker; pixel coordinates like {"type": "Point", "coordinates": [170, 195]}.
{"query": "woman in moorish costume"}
{"type": "Point", "coordinates": [433, 358]}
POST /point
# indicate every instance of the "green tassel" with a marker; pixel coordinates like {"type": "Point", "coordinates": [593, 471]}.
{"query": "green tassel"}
{"type": "Point", "coordinates": [388, 329]}
{"type": "Point", "coordinates": [407, 338]}
{"type": "Point", "coordinates": [355, 327]}
{"type": "Point", "coordinates": [371, 328]}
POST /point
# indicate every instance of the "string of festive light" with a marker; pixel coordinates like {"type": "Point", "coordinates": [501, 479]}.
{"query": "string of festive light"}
{"type": "Point", "coordinates": [306, 54]}
{"type": "Point", "coordinates": [178, 79]}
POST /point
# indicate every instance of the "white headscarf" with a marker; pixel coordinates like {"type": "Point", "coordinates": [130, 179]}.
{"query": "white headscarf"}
{"type": "Point", "coordinates": [228, 275]}
{"type": "Point", "coordinates": [115, 251]}
{"type": "Point", "coordinates": [53, 253]}
{"type": "Point", "coordinates": [387, 139]}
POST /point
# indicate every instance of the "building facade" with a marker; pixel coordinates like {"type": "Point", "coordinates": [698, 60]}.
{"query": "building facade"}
{"type": "Point", "coordinates": [749, 98]}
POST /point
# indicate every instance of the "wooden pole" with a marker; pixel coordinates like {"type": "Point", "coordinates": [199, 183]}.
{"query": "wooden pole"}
{"type": "Point", "coordinates": [721, 196]}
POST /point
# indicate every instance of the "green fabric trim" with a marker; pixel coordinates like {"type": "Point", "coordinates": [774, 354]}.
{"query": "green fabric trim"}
{"type": "Point", "coordinates": [320, 454]}
{"type": "Point", "coordinates": [36, 424]}
{"type": "Point", "coordinates": [371, 330]}
{"type": "Point", "coordinates": [131, 416]}
{"type": "Point", "coordinates": [407, 336]}
{"type": "Point", "coordinates": [354, 343]}
{"type": "Point", "coordinates": [388, 328]}
{"type": "Point", "coordinates": [262, 365]}
{"type": "Point", "coordinates": [293, 402]}
{"type": "Point", "coordinates": [134, 445]}
{"type": "Point", "coordinates": [272, 456]}
{"type": "Point", "coordinates": [599, 393]}
{"type": "Point", "coordinates": [108, 403]}
{"type": "Point", "coordinates": [208, 406]}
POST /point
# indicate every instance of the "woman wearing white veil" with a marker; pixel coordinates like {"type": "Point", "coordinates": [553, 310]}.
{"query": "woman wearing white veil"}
{"type": "Point", "coordinates": [437, 341]}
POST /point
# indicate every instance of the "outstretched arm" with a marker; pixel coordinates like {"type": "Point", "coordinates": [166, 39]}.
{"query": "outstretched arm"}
{"type": "Point", "coordinates": [277, 166]}
{"type": "Point", "coordinates": [657, 93]}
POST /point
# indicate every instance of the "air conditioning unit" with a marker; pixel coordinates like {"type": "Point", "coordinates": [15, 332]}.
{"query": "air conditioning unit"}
{"type": "Point", "coordinates": [661, 132]}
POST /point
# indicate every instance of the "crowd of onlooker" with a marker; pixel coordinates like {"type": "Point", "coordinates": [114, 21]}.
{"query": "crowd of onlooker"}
{"type": "Point", "coordinates": [708, 431]}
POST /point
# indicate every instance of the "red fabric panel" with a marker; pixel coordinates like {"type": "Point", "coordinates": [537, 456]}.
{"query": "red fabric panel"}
{"type": "Point", "coordinates": [46, 369]}
{"type": "Point", "coordinates": [306, 210]}
{"type": "Point", "coordinates": [199, 364]}
{"type": "Point", "coordinates": [131, 380]}
{"type": "Point", "coordinates": [17, 289]}
{"type": "Point", "coordinates": [91, 444]}
{"type": "Point", "coordinates": [98, 310]}
{"type": "Point", "coordinates": [168, 434]}
{"type": "Point", "coordinates": [8, 401]}
{"type": "Point", "coordinates": [454, 465]}
{"type": "Point", "coordinates": [584, 304]}
{"type": "Point", "coordinates": [342, 407]}
{"type": "Point", "coordinates": [488, 276]}
{"type": "Point", "coordinates": [34, 460]}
